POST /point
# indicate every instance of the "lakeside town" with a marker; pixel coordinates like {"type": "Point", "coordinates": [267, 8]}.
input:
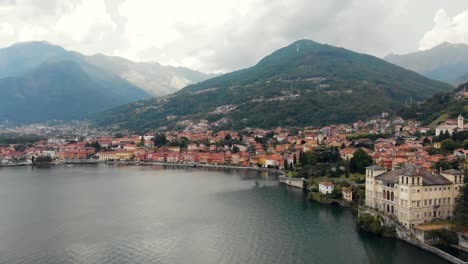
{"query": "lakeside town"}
{"type": "Point", "coordinates": [397, 171]}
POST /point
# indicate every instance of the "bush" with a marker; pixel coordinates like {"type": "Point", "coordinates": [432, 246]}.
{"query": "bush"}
{"type": "Point", "coordinates": [372, 224]}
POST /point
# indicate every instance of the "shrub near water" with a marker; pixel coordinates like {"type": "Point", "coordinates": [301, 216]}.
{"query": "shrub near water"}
{"type": "Point", "coordinates": [372, 224]}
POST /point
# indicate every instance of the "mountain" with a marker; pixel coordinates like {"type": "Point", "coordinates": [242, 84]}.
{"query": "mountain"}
{"type": "Point", "coordinates": [114, 80]}
{"type": "Point", "coordinates": [446, 62]}
{"type": "Point", "coordinates": [154, 78]}
{"type": "Point", "coordinates": [40, 82]}
{"type": "Point", "coordinates": [22, 57]}
{"type": "Point", "coordinates": [61, 91]}
{"type": "Point", "coordinates": [439, 107]}
{"type": "Point", "coordinates": [305, 83]}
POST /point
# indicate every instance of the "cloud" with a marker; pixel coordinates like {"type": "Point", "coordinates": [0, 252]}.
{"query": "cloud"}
{"type": "Point", "coordinates": [453, 30]}
{"type": "Point", "coordinates": [213, 35]}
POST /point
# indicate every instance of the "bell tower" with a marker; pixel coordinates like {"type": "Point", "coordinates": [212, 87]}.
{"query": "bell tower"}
{"type": "Point", "coordinates": [460, 122]}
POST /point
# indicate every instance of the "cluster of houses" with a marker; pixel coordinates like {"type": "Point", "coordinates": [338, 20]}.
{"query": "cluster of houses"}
{"type": "Point", "coordinates": [256, 147]}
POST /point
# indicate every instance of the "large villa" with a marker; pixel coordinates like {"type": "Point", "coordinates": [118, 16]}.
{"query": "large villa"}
{"type": "Point", "coordinates": [413, 195]}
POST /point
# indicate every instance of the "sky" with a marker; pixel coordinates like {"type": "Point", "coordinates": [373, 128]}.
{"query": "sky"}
{"type": "Point", "coordinates": [226, 35]}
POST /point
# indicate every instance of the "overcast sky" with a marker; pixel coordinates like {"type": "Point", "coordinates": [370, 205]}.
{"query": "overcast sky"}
{"type": "Point", "coordinates": [224, 35]}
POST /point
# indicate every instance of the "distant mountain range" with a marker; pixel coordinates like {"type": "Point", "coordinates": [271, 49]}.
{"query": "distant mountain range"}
{"type": "Point", "coordinates": [305, 83]}
{"type": "Point", "coordinates": [40, 82]}
{"type": "Point", "coordinates": [446, 62]}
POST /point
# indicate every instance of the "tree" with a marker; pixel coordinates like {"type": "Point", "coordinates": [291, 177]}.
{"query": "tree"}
{"type": "Point", "coordinates": [20, 147]}
{"type": "Point", "coordinates": [294, 159]}
{"type": "Point", "coordinates": [448, 145]}
{"type": "Point", "coordinates": [426, 141]}
{"type": "Point", "coordinates": [360, 161]}
{"type": "Point", "coordinates": [461, 208]}
{"type": "Point", "coordinates": [347, 170]}
{"type": "Point", "coordinates": [235, 149]}
{"type": "Point", "coordinates": [94, 145]}
{"type": "Point", "coordinates": [43, 160]}
{"type": "Point", "coordinates": [285, 164]}
{"type": "Point", "coordinates": [160, 140]}
{"type": "Point", "coordinates": [302, 158]}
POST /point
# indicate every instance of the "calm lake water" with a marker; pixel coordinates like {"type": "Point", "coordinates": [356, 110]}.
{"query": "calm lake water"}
{"type": "Point", "coordinates": [100, 214]}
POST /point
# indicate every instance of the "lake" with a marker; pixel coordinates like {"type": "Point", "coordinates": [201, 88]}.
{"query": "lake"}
{"type": "Point", "coordinates": [102, 214]}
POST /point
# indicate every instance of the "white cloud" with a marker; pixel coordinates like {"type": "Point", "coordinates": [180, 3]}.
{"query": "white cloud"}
{"type": "Point", "coordinates": [214, 35]}
{"type": "Point", "coordinates": [453, 30]}
{"type": "Point", "coordinates": [89, 14]}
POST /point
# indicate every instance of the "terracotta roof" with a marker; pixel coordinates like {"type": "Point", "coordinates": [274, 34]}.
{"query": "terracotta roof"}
{"type": "Point", "coordinates": [327, 183]}
{"type": "Point", "coordinates": [346, 189]}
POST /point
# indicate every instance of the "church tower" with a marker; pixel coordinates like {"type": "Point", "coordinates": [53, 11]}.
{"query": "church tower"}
{"type": "Point", "coordinates": [460, 122]}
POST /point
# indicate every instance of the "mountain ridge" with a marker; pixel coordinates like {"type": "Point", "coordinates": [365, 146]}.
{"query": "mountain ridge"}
{"type": "Point", "coordinates": [304, 83]}
{"type": "Point", "coordinates": [446, 62]}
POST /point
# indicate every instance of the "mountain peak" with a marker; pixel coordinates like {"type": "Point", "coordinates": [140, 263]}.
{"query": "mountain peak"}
{"type": "Point", "coordinates": [28, 44]}
{"type": "Point", "coordinates": [447, 44]}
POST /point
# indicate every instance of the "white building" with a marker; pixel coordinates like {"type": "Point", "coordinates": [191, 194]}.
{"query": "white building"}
{"type": "Point", "coordinates": [460, 126]}
{"type": "Point", "coordinates": [326, 187]}
{"type": "Point", "coordinates": [413, 194]}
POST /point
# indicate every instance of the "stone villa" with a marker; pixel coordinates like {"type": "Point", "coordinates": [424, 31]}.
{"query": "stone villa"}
{"type": "Point", "coordinates": [413, 195]}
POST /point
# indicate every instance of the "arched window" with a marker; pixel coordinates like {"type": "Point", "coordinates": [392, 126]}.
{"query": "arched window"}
{"type": "Point", "coordinates": [393, 196]}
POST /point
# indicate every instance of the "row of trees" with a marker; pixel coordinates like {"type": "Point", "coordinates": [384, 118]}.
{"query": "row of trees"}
{"type": "Point", "coordinates": [326, 161]}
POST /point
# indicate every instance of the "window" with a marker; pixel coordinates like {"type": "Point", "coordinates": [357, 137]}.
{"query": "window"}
{"type": "Point", "coordinates": [418, 190]}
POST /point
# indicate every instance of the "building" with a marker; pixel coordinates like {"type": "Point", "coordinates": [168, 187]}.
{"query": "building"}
{"type": "Point", "coordinates": [110, 155]}
{"type": "Point", "coordinates": [326, 187]}
{"type": "Point", "coordinates": [413, 194]}
{"type": "Point", "coordinates": [451, 127]}
{"type": "Point", "coordinates": [347, 194]}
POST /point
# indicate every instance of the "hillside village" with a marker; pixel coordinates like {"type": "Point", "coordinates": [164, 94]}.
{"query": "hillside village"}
{"type": "Point", "coordinates": [390, 142]}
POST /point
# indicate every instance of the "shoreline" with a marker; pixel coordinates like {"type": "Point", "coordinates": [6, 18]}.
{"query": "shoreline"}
{"type": "Point", "coordinates": [438, 252]}
{"type": "Point", "coordinates": [145, 163]}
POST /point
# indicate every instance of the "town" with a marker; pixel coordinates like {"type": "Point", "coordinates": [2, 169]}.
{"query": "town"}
{"type": "Point", "coordinates": [394, 169]}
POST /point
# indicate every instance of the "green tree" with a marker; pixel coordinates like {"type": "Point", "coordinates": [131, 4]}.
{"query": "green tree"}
{"type": "Point", "coordinates": [347, 169]}
{"type": "Point", "coordinates": [448, 145]}
{"type": "Point", "coordinates": [461, 208]}
{"type": "Point", "coordinates": [160, 140]}
{"type": "Point", "coordinates": [465, 144]}
{"type": "Point", "coordinates": [20, 147]}
{"type": "Point", "coordinates": [235, 149]}
{"type": "Point", "coordinates": [360, 161]}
